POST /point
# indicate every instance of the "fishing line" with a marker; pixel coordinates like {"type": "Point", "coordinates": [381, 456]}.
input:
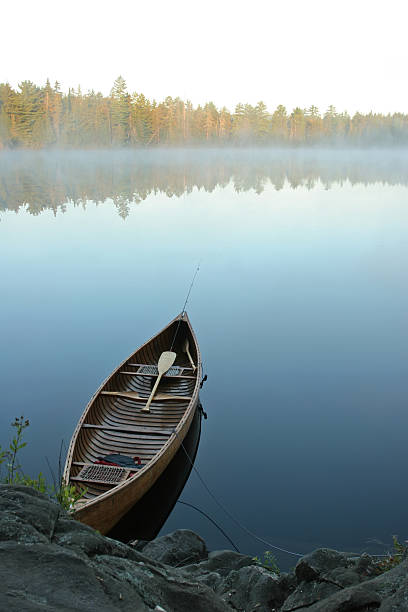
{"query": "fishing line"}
{"type": "Point", "coordinates": [184, 306]}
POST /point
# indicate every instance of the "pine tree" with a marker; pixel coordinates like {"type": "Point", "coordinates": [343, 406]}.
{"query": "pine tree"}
{"type": "Point", "coordinates": [6, 139]}
{"type": "Point", "coordinates": [120, 113]}
{"type": "Point", "coordinates": [279, 126]}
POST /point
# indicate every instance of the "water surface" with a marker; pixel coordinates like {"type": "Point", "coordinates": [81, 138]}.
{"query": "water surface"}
{"type": "Point", "coordinates": [300, 308]}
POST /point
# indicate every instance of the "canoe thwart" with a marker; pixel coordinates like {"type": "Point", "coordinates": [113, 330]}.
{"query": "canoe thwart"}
{"type": "Point", "coordinates": [164, 375]}
{"type": "Point", "coordinates": [130, 429]}
{"type": "Point", "coordinates": [134, 395]}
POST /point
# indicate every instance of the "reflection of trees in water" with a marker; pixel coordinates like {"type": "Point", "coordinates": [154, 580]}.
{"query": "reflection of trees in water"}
{"type": "Point", "coordinates": [40, 181]}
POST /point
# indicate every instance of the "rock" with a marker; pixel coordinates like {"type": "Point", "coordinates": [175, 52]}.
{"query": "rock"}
{"type": "Point", "coordinates": [252, 588]}
{"type": "Point", "coordinates": [387, 584]}
{"type": "Point", "coordinates": [318, 563]}
{"type": "Point", "coordinates": [387, 593]}
{"type": "Point", "coordinates": [179, 548]}
{"type": "Point", "coordinates": [308, 593]}
{"type": "Point", "coordinates": [26, 513]}
{"type": "Point", "coordinates": [365, 566]}
{"type": "Point", "coordinates": [397, 601]}
{"type": "Point", "coordinates": [47, 577]}
{"type": "Point", "coordinates": [357, 599]}
{"type": "Point", "coordinates": [50, 562]}
{"type": "Point", "coordinates": [220, 561]}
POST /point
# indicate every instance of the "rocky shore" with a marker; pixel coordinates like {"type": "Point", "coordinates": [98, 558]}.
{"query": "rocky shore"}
{"type": "Point", "coordinates": [49, 562]}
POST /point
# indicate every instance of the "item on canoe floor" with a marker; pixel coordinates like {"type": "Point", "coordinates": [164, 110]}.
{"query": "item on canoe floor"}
{"type": "Point", "coordinates": [127, 419]}
{"type": "Point", "coordinates": [121, 460]}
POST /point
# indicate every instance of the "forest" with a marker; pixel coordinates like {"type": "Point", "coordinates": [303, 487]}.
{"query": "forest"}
{"type": "Point", "coordinates": [34, 117]}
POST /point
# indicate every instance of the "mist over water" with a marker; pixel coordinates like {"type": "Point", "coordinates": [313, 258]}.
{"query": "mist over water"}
{"type": "Point", "coordinates": [299, 308]}
{"type": "Point", "coordinates": [53, 180]}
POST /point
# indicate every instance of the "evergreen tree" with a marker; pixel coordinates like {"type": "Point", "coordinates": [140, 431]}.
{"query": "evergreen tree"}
{"type": "Point", "coordinates": [297, 126]}
{"type": "Point", "coordinates": [120, 113]}
{"type": "Point", "coordinates": [279, 126]}
{"type": "Point", "coordinates": [6, 93]}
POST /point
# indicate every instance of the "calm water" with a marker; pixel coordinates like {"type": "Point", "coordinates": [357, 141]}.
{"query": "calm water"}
{"type": "Point", "coordinates": [300, 308]}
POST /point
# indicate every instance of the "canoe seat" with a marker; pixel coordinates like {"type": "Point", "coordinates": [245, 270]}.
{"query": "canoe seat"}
{"type": "Point", "coordinates": [164, 375]}
{"type": "Point", "coordinates": [103, 474]}
{"type": "Point", "coordinates": [153, 369]}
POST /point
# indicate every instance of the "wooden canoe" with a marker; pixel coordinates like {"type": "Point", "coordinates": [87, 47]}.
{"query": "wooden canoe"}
{"type": "Point", "coordinates": [113, 423]}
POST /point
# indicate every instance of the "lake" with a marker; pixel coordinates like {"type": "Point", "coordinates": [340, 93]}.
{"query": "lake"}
{"type": "Point", "coordinates": [300, 309]}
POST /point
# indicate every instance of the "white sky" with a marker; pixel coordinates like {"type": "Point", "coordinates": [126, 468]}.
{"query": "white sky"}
{"type": "Point", "coordinates": [353, 53]}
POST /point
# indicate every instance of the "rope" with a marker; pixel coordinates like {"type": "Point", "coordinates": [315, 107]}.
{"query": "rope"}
{"type": "Point", "coordinates": [212, 520]}
{"type": "Point", "coordinates": [240, 525]}
{"type": "Point", "coordinates": [184, 307]}
{"type": "Point", "coordinates": [250, 533]}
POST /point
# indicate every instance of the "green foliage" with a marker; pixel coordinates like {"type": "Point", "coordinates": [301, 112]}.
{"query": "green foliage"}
{"type": "Point", "coordinates": [15, 445]}
{"type": "Point", "coordinates": [65, 494]}
{"type": "Point", "coordinates": [268, 562]}
{"type": "Point", "coordinates": [394, 558]}
{"type": "Point", "coordinates": [38, 483]}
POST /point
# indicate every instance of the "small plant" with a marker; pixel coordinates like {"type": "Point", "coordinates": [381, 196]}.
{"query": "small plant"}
{"type": "Point", "coordinates": [39, 483]}
{"type": "Point", "coordinates": [16, 444]}
{"type": "Point", "coordinates": [67, 495]}
{"type": "Point", "coordinates": [268, 562]}
{"type": "Point", "coordinates": [393, 559]}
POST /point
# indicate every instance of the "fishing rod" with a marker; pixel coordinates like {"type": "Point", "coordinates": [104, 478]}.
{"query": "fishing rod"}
{"type": "Point", "coordinates": [184, 305]}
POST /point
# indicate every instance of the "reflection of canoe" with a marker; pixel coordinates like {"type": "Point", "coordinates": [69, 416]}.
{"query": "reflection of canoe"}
{"type": "Point", "coordinates": [148, 516]}
{"type": "Point", "coordinates": [113, 423]}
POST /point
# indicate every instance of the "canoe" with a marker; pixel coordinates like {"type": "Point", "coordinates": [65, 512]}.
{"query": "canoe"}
{"type": "Point", "coordinates": [118, 450]}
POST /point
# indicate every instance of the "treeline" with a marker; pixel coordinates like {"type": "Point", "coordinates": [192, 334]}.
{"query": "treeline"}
{"type": "Point", "coordinates": [42, 117]}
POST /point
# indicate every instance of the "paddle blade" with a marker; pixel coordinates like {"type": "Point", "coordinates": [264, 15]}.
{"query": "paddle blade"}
{"type": "Point", "coordinates": [166, 360]}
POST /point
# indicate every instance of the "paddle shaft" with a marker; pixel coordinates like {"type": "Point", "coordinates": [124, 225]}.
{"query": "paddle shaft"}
{"type": "Point", "coordinates": [166, 360]}
{"type": "Point", "coordinates": [186, 348]}
{"type": "Point", "coordinates": [149, 401]}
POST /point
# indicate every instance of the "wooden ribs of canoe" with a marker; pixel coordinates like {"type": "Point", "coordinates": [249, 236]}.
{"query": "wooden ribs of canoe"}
{"type": "Point", "coordinates": [114, 423]}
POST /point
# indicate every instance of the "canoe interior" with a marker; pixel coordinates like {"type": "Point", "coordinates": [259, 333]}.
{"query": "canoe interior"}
{"type": "Point", "coordinates": [116, 424]}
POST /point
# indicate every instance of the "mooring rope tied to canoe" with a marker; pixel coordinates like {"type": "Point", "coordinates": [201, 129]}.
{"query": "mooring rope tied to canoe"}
{"type": "Point", "coordinates": [250, 533]}
{"type": "Point", "coordinates": [184, 306]}
{"type": "Point", "coordinates": [179, 501]}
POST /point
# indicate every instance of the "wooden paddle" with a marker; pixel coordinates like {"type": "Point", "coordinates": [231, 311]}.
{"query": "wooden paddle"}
{"type": "Point", "coordinates": [186, 347]}
{"type": "Point", "coordinates": [166, 360]}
